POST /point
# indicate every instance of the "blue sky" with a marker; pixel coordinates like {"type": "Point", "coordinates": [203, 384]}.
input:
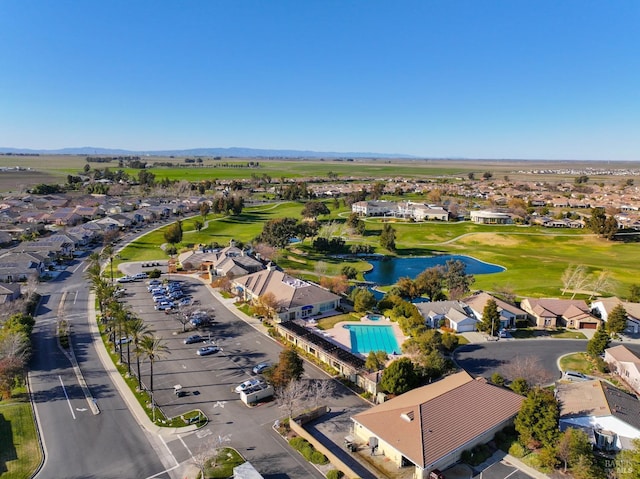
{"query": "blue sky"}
{"type": "Point", "coordinates": [450, 78]}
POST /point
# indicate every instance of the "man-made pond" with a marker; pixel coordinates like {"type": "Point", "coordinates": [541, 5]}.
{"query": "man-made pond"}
{"type": "Point", "coordinates": [388, 271]}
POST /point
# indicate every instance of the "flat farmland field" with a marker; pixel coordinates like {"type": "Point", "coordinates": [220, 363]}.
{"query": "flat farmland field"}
{"type": "Point", "coordinates": [13, 181]}
{"type": "Point", "coordinates": [371, 169]}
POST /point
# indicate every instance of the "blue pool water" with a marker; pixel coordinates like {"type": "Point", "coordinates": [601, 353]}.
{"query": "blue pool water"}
{"type": "Point", "coordinates": [365, 338]}
{"type": "Point", "coordinates": [389, 271]}
{"type": "Point", "coordinates": [374, 317]}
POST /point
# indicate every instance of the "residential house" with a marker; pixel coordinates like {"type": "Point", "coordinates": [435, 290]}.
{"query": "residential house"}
{"type": "Point", "coordinates": [625, 364]}
{"type": "Point", "coordinates": [9, 292]}
{"type": "Point", "coordinates": [429, 427]}
{"type": "Point", "coordinates": [20, 266]}
{"type": "Point", "coordinates": [233, 262]}
{"type": "Point", "coordinates": [64, 217]}
{"type": "Point", "coordinates": [603, 307]}
{"type": "Point", "coordinates": [296, 299]}
{"type": "Point", "coordinates": [509, 313]}
{"type": "Point", "coordinates": [54, 247]}
{"type": "Point", "coordinates": [450, 314]}
{"type": "Point", "coordinates": [610, 416]}
{"type": "Point", "coordinates": [553, 313]}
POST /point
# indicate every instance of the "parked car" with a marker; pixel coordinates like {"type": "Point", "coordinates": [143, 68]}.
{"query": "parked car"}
{"type": "Point", "coordinates": [140, 275]}
{"type": "Point", "coordinates": [124, 340]}
{"type": "Point", "coordinates": [154, 282]}
{"type": "Point", "coordinates": [164, 306]}
{"type": "Point", "coordinates": [204, 351]}
{"type": "Point", "coordinates": [125, 279]}
{"type": "Point", "coordinates": [503, 333]}
{"type": "Point", "coordinates": [194, 338]}
{"type": "Point", "coordinates": [259, 368]}
{"type": "Point", "coordinates": [248, 384]}
{"type": "Point", "coordinates": [575, 376]}
{"type": "Point", "coordinates": [184, 302]}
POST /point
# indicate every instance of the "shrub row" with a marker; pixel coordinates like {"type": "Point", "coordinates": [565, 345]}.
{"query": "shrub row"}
{"type": "Point", "coordinates": [305, 448]}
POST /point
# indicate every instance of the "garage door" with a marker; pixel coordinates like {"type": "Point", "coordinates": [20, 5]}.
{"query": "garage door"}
{"type": "Point", "coordinates": [589, 325]}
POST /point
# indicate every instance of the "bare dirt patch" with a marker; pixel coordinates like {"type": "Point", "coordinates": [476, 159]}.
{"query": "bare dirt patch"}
{"type": "Point", "coordinates": [488, 239]}
{"type": "Point", "coordinates": [20, 181]}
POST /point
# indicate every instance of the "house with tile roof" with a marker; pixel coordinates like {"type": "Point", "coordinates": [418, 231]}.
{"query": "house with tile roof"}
{"type": "Point", "coordinates": [603, 307]}
{"type": "Point", "coordinates": [566, 313]}
{"type": "Point", "coordinates": [296, 298]}
{"type": "Point", "coordinates": [422, 428]}
{"type": "Point", "coordinates": [625, 364]}
{"type": "Point", "coordinates": [610, 416]}
{"type": "Point", "coordinates": [509, 313]}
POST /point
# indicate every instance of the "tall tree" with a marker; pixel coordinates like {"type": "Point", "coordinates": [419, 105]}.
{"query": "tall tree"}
{"type": "Point", "coordinates": [289, 368]}
{"type": "Point", "coordinates": [430, 282]}
{"type": "Point", "coordinates": [137, 330]}
{"type": "Point", "coordinates": [376, 360]}
{"type": "Point", "coordinates": [572, 444]}
{"type": "Point", "coordinates": [628, 461]}
{"type": "Point", "coordinates": [153, 348]}
{"type": "Point", "coordinates": [537, 420]}
{"type": "Point", "coordinates": [313, 209]}
{"type": "Point", "coordinates": [363, 299]}
{"type": "Point", "coordinates": [204, 210]}
{"type": "Point", "coordinates": [597, 220]}
{"type": "Point", "coordinates": [598, 343]}
{"type": "Point", "coordinates": [617, 320]}
{"type": "Point", "coordinates": [279, 231]}
{"type": "Point", "coordinates": [173, 233]}
{"type": "Point", "coordinates": [490, 318]}
{"type": "Point", "coordinates": [388, 237]}
{"type": "Point", "coordinates": [457, 281]}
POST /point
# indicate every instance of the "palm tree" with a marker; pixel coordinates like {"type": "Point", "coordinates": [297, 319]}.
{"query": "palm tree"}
{"type": "Point", "coordinates": [107, 253]}
{"type": "Point", "coordinates": [137, 331]}
{"type": "Point", "coordinates": [153, 348]}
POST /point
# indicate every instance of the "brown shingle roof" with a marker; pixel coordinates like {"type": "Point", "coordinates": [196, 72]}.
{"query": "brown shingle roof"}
{"type": "Point", "coordinates": [447, 415]}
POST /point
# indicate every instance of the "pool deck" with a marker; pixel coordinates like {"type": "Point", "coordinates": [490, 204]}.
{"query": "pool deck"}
{"type": "Point", "coordinates": [340, 335]}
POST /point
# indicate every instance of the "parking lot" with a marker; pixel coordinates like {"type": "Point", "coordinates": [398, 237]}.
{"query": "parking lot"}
{"type": "Point", "coordinates": [209, 381]}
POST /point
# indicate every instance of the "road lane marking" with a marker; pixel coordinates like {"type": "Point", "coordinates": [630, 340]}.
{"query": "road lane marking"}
{"type": "Point", "coordinates": [67, 396]}
{"type": "Point", "coordinates": [169, 450]}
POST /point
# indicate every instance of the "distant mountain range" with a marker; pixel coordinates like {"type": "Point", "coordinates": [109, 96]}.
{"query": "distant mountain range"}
{"type": "Point", "coordinates": [195, 152]}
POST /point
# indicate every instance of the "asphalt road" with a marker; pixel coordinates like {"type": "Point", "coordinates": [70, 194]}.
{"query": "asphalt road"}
{"type": "Point", "coordinates": [79, 444]}
{"type": "Point", "coordinates": [484, 359]}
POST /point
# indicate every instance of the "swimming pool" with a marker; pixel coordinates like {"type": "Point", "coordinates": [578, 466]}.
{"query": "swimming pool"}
{"type": "Point", "coordinates": [365, 338]}
{"type": "Point", "coordinates": [374, 317]}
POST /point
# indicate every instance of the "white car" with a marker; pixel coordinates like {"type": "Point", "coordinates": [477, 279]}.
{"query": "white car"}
{"type": "Point", "coordinates": [248, 384]}
{"type": "Point", "coordinates": [125, 279]}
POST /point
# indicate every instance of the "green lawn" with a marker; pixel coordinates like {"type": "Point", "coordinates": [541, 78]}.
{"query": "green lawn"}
{"type": "Point", "coordinates": [577, 362]}
{"type": "Point", "coordinates": [534, 257]}
{"type": "Point", "coordinates": [20, 452]}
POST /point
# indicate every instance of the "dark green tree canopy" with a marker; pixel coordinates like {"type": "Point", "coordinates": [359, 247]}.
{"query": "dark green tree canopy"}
{"type": "Point", "coordinates": [363, 299]}
{"type": "Point", "coordinates": [617, 320]}
{"type": "Point", "coordinates": [376, 360]}
{"type": "Point", "coordinates": [490, 318]}
{"type": "Point", "coordinates": [537, 421]}
{"type": "Point", "coordinates": [279, 231]}
{"type": "Point", "coordinates": [456, 279]}
{"type": "Point", "coordinates": [313, 209]}
{"type": "Point", "coordinates": [173, 233]}
{"type": "Point", "coordinates": [399, 377]}
{"type": "Point", "coordinates": [598, 343]}
{"type": "Point", "coordinates": [388, 237]}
